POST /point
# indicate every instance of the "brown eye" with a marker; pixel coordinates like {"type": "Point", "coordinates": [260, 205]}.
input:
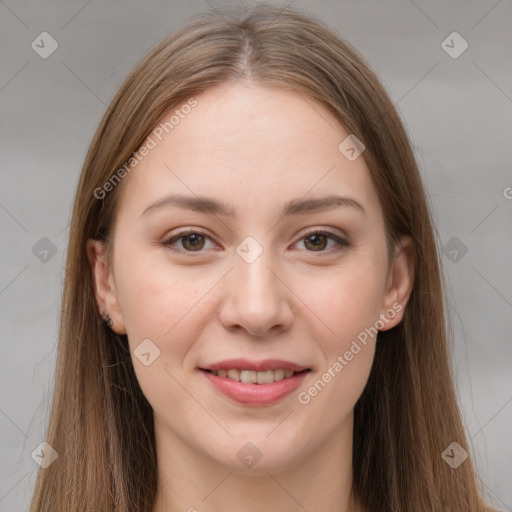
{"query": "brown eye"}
{"type": "Point", "coordinates": [316, 242]}
{"type": "Point", "coordinates": [191, 241]}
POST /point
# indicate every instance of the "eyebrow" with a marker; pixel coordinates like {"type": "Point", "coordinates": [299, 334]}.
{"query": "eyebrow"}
{"type": "Point", "coordinates": [294, 207]}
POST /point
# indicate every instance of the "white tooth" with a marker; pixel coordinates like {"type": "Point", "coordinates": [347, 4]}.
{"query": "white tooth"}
{"type": "Point", "coordinates": [288, 373]}
{"type": "Point", "coordinates": [234, 375]}
{"type": "Point", "coordinates": [222, 373]}
{"type": "Point", "coordinates": [278, 375]}
{"type": "Point", "coordinates": [248, 376]}
{"type": "Point", "coordinates": [265, 377]}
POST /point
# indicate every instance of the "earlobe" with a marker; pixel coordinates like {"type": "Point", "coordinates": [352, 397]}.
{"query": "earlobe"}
{"type": "Point", "coordinates": [399, 283]}
{"type": "Point", "coordinates": [104, 286]}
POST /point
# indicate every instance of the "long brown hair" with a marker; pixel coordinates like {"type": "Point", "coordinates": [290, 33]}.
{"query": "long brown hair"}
{"type": "Point", "coordinates": [101, 425]}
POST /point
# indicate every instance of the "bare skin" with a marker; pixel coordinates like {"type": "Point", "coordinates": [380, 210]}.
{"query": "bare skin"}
{"type": "Point", "coordinates": [304, 299]}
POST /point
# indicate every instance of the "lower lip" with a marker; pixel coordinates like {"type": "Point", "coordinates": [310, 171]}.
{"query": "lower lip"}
{"type": "Point", "coordinates": [256, 394]}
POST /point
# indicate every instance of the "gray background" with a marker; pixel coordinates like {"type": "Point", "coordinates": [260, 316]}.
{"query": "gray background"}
{"type": "Point", "coordinates": [458, 113]}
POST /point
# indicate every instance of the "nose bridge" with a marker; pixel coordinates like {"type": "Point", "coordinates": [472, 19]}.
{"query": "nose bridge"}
{"type": "Point", "coordinates": [254, 297]}
{"type": "Point", "coordinates": [255, 277]}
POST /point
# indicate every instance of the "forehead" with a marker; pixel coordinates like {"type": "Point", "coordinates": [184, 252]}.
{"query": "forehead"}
{"type": "Point", "coordinates": [251, 147]}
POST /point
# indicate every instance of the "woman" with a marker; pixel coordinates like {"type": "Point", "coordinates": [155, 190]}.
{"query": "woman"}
{"type": "Point", "coordinates": [252, 228]}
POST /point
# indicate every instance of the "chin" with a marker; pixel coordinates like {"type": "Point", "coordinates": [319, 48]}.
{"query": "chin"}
{"type": "Point", "coordinates": [257, 453]}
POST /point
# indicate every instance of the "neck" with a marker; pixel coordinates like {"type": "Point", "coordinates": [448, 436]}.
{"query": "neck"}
{"type": "Point", "coordinates": [194, 482]}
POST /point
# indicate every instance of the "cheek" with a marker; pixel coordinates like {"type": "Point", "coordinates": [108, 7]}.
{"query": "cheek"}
{"type": "Point", "coordinates": [329, 398]}
{"type": "Point", "coordinates": [350, 309]}
{"type": "Point", "coordinates": [162, 303]}
{"type": "Point", "coordinates": [346, 299]}
{"type": "Point", "coordinates": [169, 307]}
{"type": "Point", "coordinates": [348, 303]}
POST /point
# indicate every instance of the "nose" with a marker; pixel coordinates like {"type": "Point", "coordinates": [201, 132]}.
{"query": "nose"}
{"type": "Point", "coordinates": [255, 298]}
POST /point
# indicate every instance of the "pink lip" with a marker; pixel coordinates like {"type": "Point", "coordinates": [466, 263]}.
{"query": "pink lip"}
{"type": "Point", "coordinates": [255, 394]}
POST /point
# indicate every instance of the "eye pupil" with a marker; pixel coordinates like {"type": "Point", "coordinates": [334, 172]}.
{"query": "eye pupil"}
{"type": "Point", "coordinates": [194, 240]}
{"type": "Point", "coordinates": [315, 241]}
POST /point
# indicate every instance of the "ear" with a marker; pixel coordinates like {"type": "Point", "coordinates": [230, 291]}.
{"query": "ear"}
{"type": "Point", "coordinates": [104, 284]}
{"type": "Point", "coordinates": [399, 283]}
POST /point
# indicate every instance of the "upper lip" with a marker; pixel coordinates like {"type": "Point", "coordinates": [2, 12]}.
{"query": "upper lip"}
{"type": "Point", "coordinates": [245, 364]}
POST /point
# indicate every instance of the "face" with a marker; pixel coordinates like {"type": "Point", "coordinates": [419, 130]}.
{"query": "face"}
{"type": "Point", "coordinates": [268, 273]}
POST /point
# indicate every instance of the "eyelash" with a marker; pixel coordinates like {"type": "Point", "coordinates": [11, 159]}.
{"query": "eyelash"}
{"type": "Point", "coordinates": [340, 241]}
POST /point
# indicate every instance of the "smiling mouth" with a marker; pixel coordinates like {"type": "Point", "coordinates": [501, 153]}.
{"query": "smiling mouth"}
{"type": "Point", "coordinates": [255, 377]}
